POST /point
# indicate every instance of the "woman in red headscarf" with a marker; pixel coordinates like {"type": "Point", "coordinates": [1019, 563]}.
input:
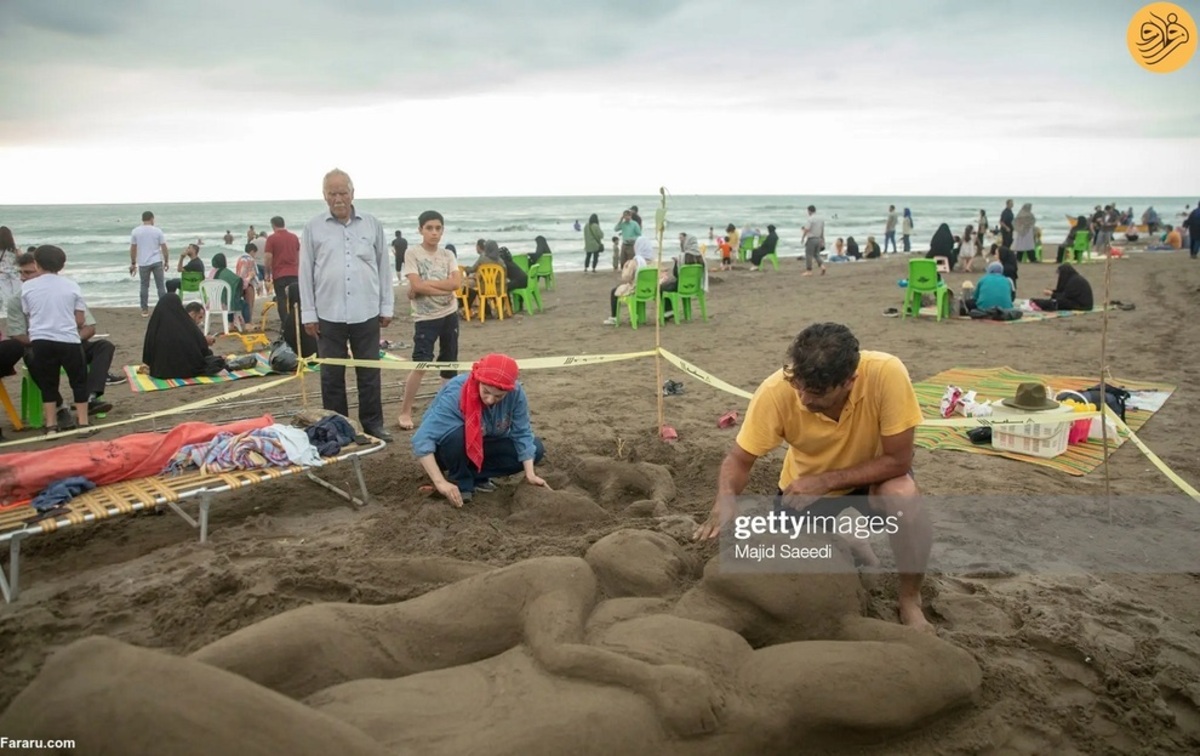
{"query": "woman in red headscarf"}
{"type": "Point", "coordinates": [476, 429]}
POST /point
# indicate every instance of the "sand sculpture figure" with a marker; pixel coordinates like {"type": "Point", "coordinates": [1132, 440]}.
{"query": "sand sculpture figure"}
{"type": "Point", "coordinates": [524, 659]}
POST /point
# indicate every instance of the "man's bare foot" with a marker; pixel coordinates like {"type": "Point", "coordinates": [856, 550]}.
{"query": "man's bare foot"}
{"type": "Point", "coordinates": [912, 616]}
{"type": "Point", "coordinates": [405, 422]}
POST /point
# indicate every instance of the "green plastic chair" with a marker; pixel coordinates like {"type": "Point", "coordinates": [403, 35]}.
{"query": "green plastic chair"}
{"type": "Point", "coordinates": [691, 286]}
{"type": "Point", "coordinates": [544, 269]}
{"type": "Point", "coordinates": [773, 258]}
{"type": "Point", "coordinates": [522, 262]}
{"type": "Point", "coordinates": [527, 298]}
{"type": "Point", "coordinates": [747, 246]}
{"type": "Point", "coordinates": [645, 290]}
{"type": "Point", "coordinates": [1082, 246]}
{"type": "Point", "coordinates": [923, 279]}
{"type": "Point", "coordinates": [31, 402]}
{"type": "Point", "coordinates": [1037, 252]}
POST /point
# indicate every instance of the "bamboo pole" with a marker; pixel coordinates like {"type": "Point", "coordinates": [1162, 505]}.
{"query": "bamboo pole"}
{"type": "Point", "coordinates": [1104, 381]}
{"type": "Point", "coordinates": [660, 222]}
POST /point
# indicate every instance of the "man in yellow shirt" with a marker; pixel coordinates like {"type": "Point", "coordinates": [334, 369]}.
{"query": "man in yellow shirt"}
{"type": "Point", "coordinates": [849, 419]}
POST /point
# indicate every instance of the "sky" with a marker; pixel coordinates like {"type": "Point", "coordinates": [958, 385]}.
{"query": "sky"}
{"type": "Point", "coordinates": [214, 100]}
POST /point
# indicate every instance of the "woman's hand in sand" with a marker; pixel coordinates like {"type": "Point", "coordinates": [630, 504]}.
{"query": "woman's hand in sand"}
{"type": "Point", "coordinates": [535, 480]}
{"type": "Point", "coordinates": [450, 491]}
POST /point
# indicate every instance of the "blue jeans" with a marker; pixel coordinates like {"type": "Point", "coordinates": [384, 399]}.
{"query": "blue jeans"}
{"type": "Point", "coordinates": [146, 271]}
{"type": "Point", "coordinates": [1195, 240]}
{"type": "Point", "coordinates": [889, 236]}
{"type": "Point", "coordinates": [499, 459]}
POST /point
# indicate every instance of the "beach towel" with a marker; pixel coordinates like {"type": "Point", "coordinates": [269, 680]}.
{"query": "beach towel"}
{"type": "Point", "coordinates": [140, 384]}
{"type": "Point", "coordinates": [1026, 316]}
{"type": "Point", "coordinates": [998, 383]}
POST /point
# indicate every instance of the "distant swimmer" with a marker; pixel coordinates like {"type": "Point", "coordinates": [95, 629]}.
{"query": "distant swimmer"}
{"type": "Point", "coordinates": [578, 227]}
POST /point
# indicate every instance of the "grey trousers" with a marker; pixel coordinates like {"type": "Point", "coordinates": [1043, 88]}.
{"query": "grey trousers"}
{"type": "Point", "coordinates": [812, 249]}
{"type": "Point", "coordinates": [146, 271]}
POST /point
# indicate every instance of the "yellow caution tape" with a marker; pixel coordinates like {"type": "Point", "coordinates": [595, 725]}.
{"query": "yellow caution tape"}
{"type": "Point", "coordinates": [990, 420]}
{"type": "Point", "coordinates": [1154, 459]}
{"type": "Point", "coordinates": [703, 376]}
{"type": "Point", "coordinates": [532, 363]}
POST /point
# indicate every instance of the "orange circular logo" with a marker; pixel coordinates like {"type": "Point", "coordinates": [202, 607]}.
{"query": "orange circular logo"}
{"type": "Point", "coordinates": [1161, 37]}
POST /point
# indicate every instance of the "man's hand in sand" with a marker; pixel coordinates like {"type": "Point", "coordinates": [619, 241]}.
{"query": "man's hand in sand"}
{"type": "Point", "coordinates": [722, 513]}
{"type": "Point", "coordinates": [804, 491]}
{"type": "Point", "coordinates": [535, 480]}
{"type": "Point", "coordinates": [312, 329]}
{"type": "Point", "coordinates": [450, 491]}
{"type": "Point", "coordinates": [687, 700]}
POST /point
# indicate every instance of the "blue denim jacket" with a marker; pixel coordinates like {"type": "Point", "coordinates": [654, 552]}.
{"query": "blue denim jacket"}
{"type": "Point", "coordinates": [507, 419]}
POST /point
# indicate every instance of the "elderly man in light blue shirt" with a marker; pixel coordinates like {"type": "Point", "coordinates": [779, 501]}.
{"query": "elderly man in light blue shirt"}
{"type": "Point", "coordinates": [346, 296]}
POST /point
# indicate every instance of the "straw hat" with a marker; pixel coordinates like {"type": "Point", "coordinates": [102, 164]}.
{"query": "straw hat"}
{"type": "Point", "coordinates": [1031, 397]}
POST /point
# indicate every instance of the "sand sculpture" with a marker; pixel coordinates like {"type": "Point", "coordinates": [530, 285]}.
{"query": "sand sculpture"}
{"type": "Point", "coordinates": [529, 658]}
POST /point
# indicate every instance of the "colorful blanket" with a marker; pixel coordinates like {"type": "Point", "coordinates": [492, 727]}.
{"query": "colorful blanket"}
{"type": "Point", "coordinates": [998, 383]}
{"type": "Point", "coordinates": [1026, 317]}
{"type": "Point", "coordinates": [140, 384]}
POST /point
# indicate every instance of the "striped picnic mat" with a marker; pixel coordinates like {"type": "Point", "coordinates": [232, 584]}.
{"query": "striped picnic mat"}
{"type": "Point", "coordinates": [998, 383]}
{"type": "Point", "coordinates": [140, 384]}
{"type": "Point", "coordinates": [1026, 317]}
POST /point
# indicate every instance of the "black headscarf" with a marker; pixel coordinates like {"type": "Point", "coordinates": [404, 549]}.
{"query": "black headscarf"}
{"type": "Point", "coordinates": [542, 248]}
{"type": "Point", "coordinates": [174, 347]}
{"type": "Point", "coordinates": [852, 248]}
{"type": "Point", "coordinates": [768, 245]}
{"type": "Point", "coordinates": [1072, 291]}
{"type": "Point", "coordinates": [942, 243]}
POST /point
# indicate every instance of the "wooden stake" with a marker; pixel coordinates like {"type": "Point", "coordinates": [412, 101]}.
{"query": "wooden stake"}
{"type": "Point", "coordinates": [660, 222]}
{"type": "Point", "coordinates": [1104, 382]}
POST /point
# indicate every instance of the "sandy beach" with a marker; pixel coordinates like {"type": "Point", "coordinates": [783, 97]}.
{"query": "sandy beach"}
{"type": "Point", "coordinates": [1096, 663]}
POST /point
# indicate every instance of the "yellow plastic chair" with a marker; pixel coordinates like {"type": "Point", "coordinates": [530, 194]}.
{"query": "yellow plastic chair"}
{"type": "Point", "coordinates": [464, 292]}
{"type": "Point", "coordinates": [490, 286]}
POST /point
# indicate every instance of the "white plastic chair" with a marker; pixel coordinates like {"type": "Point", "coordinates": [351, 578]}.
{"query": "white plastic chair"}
{"type": "Point", "coordinates": [216, 297]}
{"type": "Point", "coordinates": [943, 264]}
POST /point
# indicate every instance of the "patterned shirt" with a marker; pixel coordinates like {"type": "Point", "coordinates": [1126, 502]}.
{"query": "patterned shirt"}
{"type": "Point", "coordinates": [438, 265]}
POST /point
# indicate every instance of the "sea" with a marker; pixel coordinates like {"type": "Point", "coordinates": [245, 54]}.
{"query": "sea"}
{"type": "Point", "coordinates": [96, 237]}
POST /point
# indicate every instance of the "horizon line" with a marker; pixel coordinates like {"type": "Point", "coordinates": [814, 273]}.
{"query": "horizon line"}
{"type": "Point", "coordinates": [799, 197]}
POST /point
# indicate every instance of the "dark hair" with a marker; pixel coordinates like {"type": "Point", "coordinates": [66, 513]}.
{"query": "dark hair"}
{"type": "Point", "coordinates": [50, 258]}
{"type": "Point", "coordinates": [730, 228]}
{"type": "Point", "coordinates": [219, 261]}
{"type": "Point", "coordinates": [147, 216]}
{"type": "Point", "coordinates": [823, 356]}
{"type": "Point", "coordinates": [31, 248]}
{"type": "Point", "coordinates": [277, 222]}
{"type": "Point", "coordinates": [430, 215]}
{"type": "Point", "coordinates": [770, 228]}
{"type": "Point", "coordinates": [25, 258]}
{"type": "Point", "coordinates": [593, 218]}
{"type": "Point", "coordinates": [452, 249]}
{"type": "Point", "coordinates": [398, 234]}
{"type": "Point", "coordinates": [251, 248]}
{"type": "Point", "coordinates": [812, 208]}
{"type": "Point", "coordinates": [193, 307]}
{"type": "Point", "coordinates": [7, 242]}
{"type": "Point", "coordinates": [633, 208]}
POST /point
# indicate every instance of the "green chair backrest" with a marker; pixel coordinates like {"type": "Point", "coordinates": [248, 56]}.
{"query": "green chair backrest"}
{"type": "Point", "coordinates": [749, 243]}
{"type": "Point", "coordinates": [1082, 242]}
{"type": "Point", "coordinates": [544, 266]}
{"type": "Point", "coordinates": [691, 280]}
{"type": "Point", "coordinates": [646, 285]}
{"type": "Point", "coordinates": [922, 275]}
{"type": "Point", "coordinates": [522, 262]}
{"type": "Point", "coordinates": [190, 280]}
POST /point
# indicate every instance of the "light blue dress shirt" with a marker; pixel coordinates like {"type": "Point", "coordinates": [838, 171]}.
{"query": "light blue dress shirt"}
{"type": "Point", "coordinates": [345, 274]}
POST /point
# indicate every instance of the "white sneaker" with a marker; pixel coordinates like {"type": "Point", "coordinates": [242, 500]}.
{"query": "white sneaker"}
{"type": "Point", "coordinates": [610, 321]}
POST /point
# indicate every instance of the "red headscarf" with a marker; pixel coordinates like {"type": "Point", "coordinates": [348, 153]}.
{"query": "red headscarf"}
{"type": "Point", "coordinates": [497, 370]}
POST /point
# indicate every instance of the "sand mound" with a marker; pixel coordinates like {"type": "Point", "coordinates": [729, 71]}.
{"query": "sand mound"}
{"type": "Point", "coordinates": [149, 702]}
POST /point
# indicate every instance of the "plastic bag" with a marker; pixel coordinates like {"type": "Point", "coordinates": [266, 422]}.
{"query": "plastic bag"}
{"type": "Point", "coordinates": [282, 358]}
